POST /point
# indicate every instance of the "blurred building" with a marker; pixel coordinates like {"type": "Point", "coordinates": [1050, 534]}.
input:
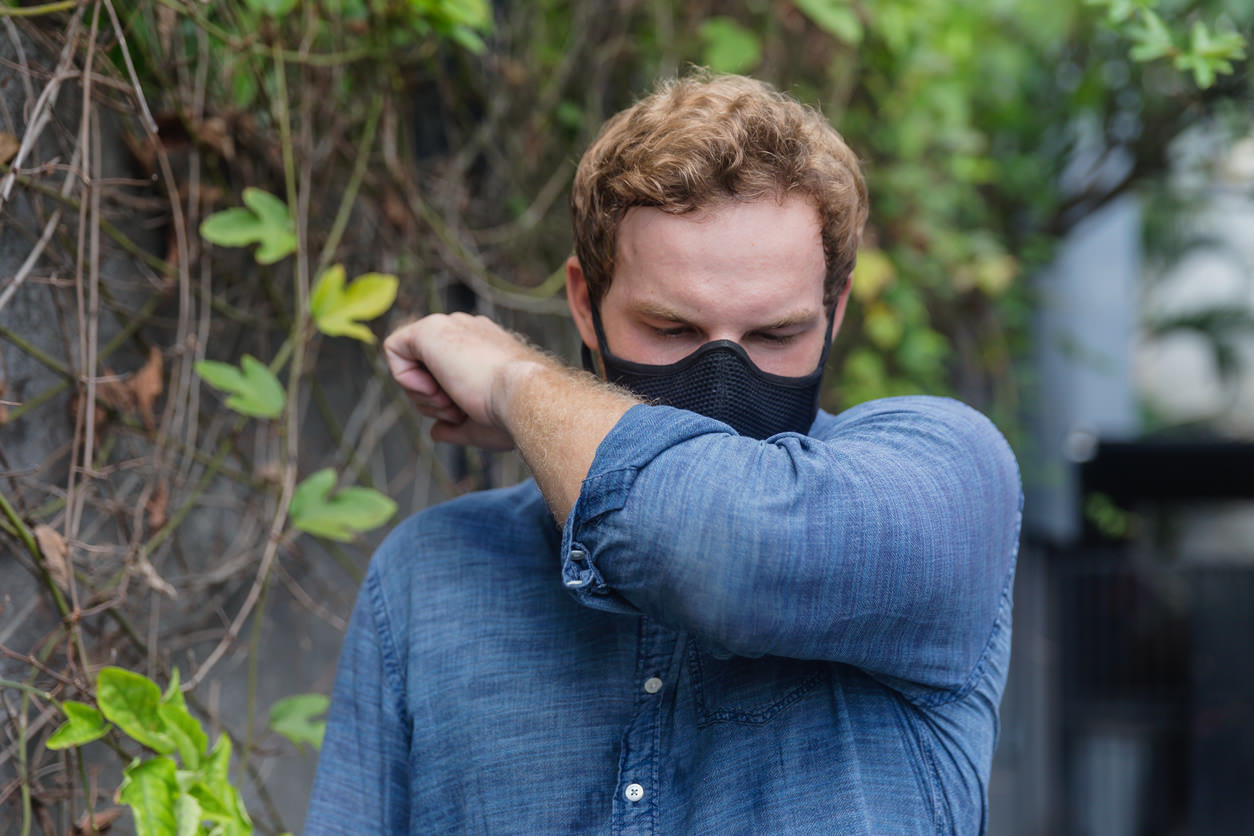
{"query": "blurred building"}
{"type": "Point", "coordinates": [1130, 707]}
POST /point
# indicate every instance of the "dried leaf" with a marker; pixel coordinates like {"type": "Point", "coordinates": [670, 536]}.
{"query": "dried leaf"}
{"type": "Point", "coordinates": [214, 133]}
{"type": "Point", "coordinates": [146, 386]}
{"type": "Point", "coordinates": [268, 471]}
{"type": "Point", "coordinates": [154, 580]}
{"type": "Point", "coordinates": [114, 393]}
{"type": "Point", "coordinates": [52, 546]}
{"type": "Point", "coordinates": [171, 258]}
{"type": "Point", "coordinates": [76, 402]}
{"type": "Point", "coordinates": [395, 210]}
{"type": "Point", "coordinates": [515, 72]}
{"type": "Point", "coordinates": [111, 394]}
{"type": "Point", "coordinates": [157, 505]}
{"type": "Point", "coordinates": [9, 146]}
{"type": "Point", "coordinates": [103, 819]}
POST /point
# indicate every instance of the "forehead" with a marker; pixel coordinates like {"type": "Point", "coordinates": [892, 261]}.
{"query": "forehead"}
{"type": "Point", "coordinates": [735, 258]}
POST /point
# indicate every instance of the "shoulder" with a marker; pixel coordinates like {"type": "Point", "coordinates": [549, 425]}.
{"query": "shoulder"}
{"type": "Point", "coordinates": [446, 540]}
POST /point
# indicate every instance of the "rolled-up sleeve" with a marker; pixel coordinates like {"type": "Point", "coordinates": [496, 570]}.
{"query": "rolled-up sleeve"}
{"type": "Point", "coordinates": [886, 540]}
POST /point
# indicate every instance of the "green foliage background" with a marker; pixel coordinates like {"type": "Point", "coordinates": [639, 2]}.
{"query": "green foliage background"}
{"type": "Point", "coordinates": [434, 141]}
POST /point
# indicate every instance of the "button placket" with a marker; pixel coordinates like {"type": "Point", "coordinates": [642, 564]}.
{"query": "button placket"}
{"type": "Point", "coordinates": [638, 792]}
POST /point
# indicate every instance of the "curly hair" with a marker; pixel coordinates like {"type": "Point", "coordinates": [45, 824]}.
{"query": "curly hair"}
{"type": "Point", "coordinates": [702, 139]}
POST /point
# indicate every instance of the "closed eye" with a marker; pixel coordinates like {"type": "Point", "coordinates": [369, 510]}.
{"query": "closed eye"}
{"type": "Point", "coordinates": [680, 331]}
{"type": "Point", "coordinates": [776, 339]}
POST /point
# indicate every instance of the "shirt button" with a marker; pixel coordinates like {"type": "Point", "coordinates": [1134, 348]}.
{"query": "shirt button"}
{"type": "Point", "coordinates": [652, 685]}
{"type": "Point", "coordinates": [634, 792]}
{"type": "Point", "coordinates": [578, 554]}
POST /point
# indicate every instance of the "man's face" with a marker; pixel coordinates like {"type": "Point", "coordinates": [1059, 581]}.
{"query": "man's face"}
{"type": "Point", "coordinates": [751, 273]}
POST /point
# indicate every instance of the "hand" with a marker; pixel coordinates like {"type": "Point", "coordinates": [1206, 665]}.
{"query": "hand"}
{"type": "Point", "coordinates": [455, 368]}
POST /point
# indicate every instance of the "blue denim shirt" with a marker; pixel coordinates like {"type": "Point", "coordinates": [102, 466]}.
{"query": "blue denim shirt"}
{"type": "Point", "coordinates": [808, 634]}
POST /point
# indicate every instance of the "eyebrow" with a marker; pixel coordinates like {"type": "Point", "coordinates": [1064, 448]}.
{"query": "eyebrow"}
{"type": "Point", "coordinates": [656, 310]}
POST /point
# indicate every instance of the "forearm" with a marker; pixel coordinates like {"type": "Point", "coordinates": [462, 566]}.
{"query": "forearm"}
{"type": "Point", "coordinates": [558, 417]}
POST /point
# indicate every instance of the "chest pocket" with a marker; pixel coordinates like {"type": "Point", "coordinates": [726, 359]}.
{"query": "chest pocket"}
{"type": "Point", "coordinates": [748, 691]}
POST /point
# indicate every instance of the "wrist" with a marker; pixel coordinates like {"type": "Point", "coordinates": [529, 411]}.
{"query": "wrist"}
{"type": "Point", "coordinates": [511, 382]}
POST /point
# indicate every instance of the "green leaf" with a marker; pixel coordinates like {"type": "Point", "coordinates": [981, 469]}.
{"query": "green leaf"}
{"type": "Point", "coordinates": [467, 39]}
{"type": "Point", "coordinates": [130, 702]}
{"type": "Point", "coordinates": [212, 806]}
{"type": "Point", "coordinates": [873, 272]}
{"type": "Point", "coordinates": [1202, 68]}
{"type": "Point", "coordinates": [234, 227]}
{"type": "Point", "coordinates": [266, 221]}
{"type": "Point", "coordinates": [219, 800]}
{"type": "Point", "coordinates": [294, 718]}
{"type": "Point", "coordinates": [84, 725]}
{"type": "Point", "coordinates": [241, 825]}
{"type": "Point", "coordinates": [187, 814]}
{"type": "Point", "coordinates": [150, 789]}
{"type": "Point", "coordinates": [271, 211]}
{"type": "Point", "coordinates": [729, 47]}
{"type": "Point", "coordinates": [338, 311]}
{"type": "Point", "coordinates": [1152, 40]}
{"type": "Point", "coordinates": [337, 517]}
{"type": "Point", "coordinates": [244, 91]}
{"type": "Point", "coordinates": [1118, 10]}
{"type": "Point", "coordinates": [569, 115]}
{"type": "Point", "coordinates": [254, 390]}
{"type": "Point", "coordinates": [217, 766]}
{"type": "Point", "coordinates": [184, 729]}
{"type": "Point", "coordinates": [834, 17]}
{"type": "Point", "coordinates": [273, 8]}
{"type": "Point", "coordinates": [883, 325]}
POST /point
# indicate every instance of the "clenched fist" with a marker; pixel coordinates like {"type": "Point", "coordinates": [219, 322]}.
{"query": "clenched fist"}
{"type": "Point", "coordinates": [458, 369]}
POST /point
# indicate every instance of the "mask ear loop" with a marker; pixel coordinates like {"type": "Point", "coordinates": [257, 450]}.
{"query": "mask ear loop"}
{"type": "Point", "coordinates": [827, 336]}
{"type": "Point", "coordinates": [588, 363]}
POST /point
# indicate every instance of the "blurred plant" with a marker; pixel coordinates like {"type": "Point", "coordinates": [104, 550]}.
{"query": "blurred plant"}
{"type": "Point", "coordinates": [1204, 52]}
{"type": "Point", "coordinates": [1108, 519]}
{"type": "Point", "coordinates": [296, 718]}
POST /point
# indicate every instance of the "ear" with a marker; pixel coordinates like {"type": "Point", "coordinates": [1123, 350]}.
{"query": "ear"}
{"type": "Point", "coordinates": [580, 303]}
{"type": "Point", "coordinates": [838, 316]}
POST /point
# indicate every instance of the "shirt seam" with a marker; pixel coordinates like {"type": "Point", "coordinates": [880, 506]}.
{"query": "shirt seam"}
{"type": "Point", "coordinates": [387, 643]}
{"type": "Point", "coordinates": [923, 775]}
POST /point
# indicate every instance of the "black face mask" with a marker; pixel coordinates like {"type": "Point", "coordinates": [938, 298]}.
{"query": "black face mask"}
{"type": "Point", "coordinates": [719, 380]}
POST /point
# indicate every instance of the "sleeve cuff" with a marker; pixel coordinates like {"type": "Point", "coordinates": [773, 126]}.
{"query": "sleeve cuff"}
{"type": "Point", "coordinates": [642, 434]}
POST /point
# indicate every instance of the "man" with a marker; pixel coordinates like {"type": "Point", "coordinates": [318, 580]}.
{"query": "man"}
{"type": "Point", "coordinates": [754, 617]}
